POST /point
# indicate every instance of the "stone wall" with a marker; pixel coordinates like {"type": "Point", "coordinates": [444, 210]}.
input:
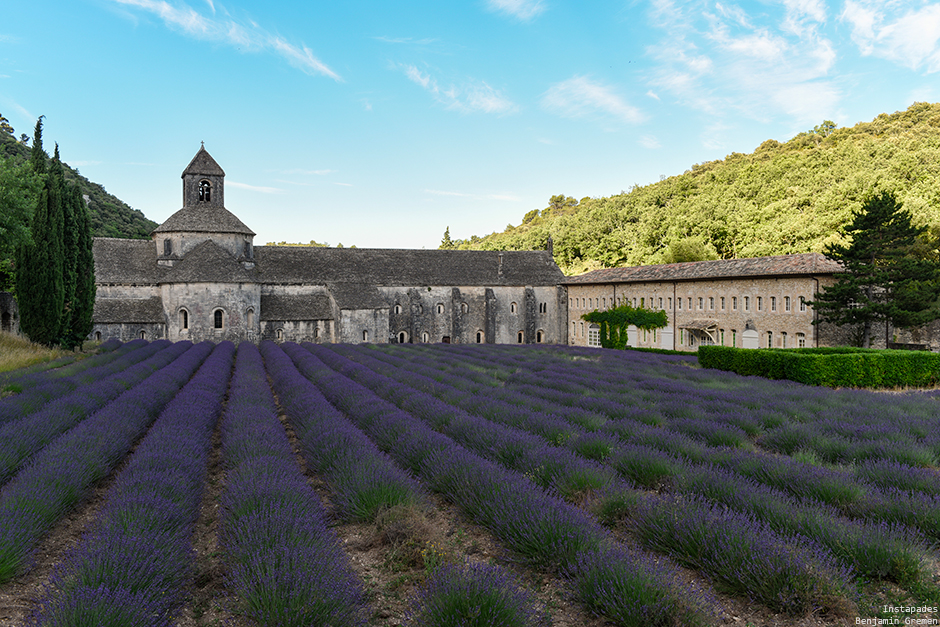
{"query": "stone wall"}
{"type": "Point", "coordinates": [240, 304]}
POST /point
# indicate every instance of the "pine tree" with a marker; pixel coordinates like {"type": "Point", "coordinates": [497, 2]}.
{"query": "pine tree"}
{"type": "Point", "coordinates": [882, 281]}
{"type": "Point", "coordinates": [40, 290]}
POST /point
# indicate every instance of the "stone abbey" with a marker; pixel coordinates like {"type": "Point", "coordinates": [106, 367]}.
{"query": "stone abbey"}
{"type": "Point", "coordinates": [201, 277]}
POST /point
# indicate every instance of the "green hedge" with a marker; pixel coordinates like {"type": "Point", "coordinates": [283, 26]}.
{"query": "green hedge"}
{"type": "Point", "coordinates": [833, 367]}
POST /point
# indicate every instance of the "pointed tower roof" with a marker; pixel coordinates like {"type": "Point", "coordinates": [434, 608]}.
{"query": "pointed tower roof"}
{"type": "Point", "coordinates": [204, 164]}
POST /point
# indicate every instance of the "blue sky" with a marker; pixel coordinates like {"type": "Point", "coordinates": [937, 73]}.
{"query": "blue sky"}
{"type": "Point", "coordinates": [381, 123]}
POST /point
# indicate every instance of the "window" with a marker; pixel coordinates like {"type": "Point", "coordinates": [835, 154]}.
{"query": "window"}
{"type": "Point", "coordinates": [660, 303]}
{"type": "Point", "coordinates": [440, 308]}
{"type": "Point", "coordinates": [167, 247]}
{"type": "Point", "coordinates": [786, 303]}
{"type": "Point", "coordinates": [217, 319]}
{"type": "Point", "coordinates": [464, 308]}
{"type": "Point", "coordinates": [582, 329]}
{"type": "Point", "coordinates": [425, 337]}
{"type": "Point", "coordinates": [365, 335]}
{"type": "Point", "coordinates": [770, 339]}
{"type": "Point", "coordinates": [783, 339]}
{"type": "Point", "coordinates": [143, 334]}
{"type": "Point", "coordinates": [701, 303]}
{"type": "Point", "coordinates": [605, 302]}
{"type": "Point", "coordinates": [681, 337]}
{"type": "Point", "coordinates": [512, 307]}
{"type": "Point", "coordinates": [250, 317]}
{"type": "Point", "coordinates": [670, 302]}
{"type": "Point", "coordinates": [721, 336]}
{"type": "Point", "coordinates": [760, 303]}
{"type": "Point", "coordinates": [690, 303]}
{"type": "Point", "coordinates": [711, 303]}
{"type": "Point", "coordinates": [402, 337]}
{"type": "Point", "coordinates": [279, 334]}
{"type": "Point", "coordinates": [538, 337]}
{"type": "Point", "coordinates": [642, 302]}
{"type": "Point", "coordinates": [97, 336]}
{"type": "Point", "coordinates": [634, 301]}
{"type": "Point", "coordinates": [184, 319]}
{"type": "Point", "coordinates": [773, 303]}
{"type": "Point", "coordinates": [247, 249]}
{"type": "Point", "coordinates": [316, 332]}
{"type": "Point", "coordinates": [398, 309]}
{"type": "Point", "coordinates": [480, 337]}
{"type": "Point", "coordinates": [205, 190]}
{"type": "Point", "coordinates": [520, 337]}
{"type": "Point", "coordinates": [680, 304]}
{"type": "Point", "coordinates": [691, 339]}
{"type": "Point", "coordinates": [722, 303]}
{"type": "Point", "coordinates": [801, 340]}
{"type": "Point", "coordinates": [747, 303]}
{"type": "Point", "coordinates": [802, 304]}
{"type": "Point", "coordinates": [734, 303]}
{"type": "Point", "coordinates": [734, 337]}
{"type": "Point", "coordinates": [543, 307]}
{"type": "Point", "coordinates": [594, 335]}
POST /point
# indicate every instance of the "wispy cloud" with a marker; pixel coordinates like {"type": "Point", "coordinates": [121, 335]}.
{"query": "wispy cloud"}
{"type": "Point", "coordinates": [255, 188]}
{"type": "Point", "coordinates": [719, 59]}
{"type": "Point", "coordinates": [911, 39]}
{"type": "Point", "coordinates": [9, 103]}
{"type": "Point", "coordinates": [469, 97]}
{"type": "Point", "coordinates": [427, 41]}
{"type": "Point", "coordinates": [523, 10]}
{"type": "Point", "coordinates": [248, 35]}
{"type": "Point", "coordinates": [582, 97]}
{"type": "Point", "coordinates": [505, 197]}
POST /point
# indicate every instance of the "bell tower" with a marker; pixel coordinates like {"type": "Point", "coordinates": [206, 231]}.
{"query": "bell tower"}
{"type": "Point", "coordinates": [203, 182]}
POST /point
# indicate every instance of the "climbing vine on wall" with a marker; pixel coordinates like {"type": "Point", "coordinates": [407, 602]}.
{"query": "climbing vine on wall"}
{"type": "Point", "coordinates": [614, 323]}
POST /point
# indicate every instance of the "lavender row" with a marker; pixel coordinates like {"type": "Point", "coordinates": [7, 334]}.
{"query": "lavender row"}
{"type": "Point", "coordinates": [24, 437]}
{"type": "Point", "coordinates": [132, 567]}
{"type": "Point", "coordinates": [364, 480]}
{"type": "Point", "coordinates": [548, 466]}
{"type": "Point", "coordinates": [874, 550]}
{"type": "Point", "coordinates": [46, 389]}
{"type": "Point", "coordinates": [284, 563]}
{"type": "Point", "coordinates": [547, 532]}
{"type": "Point", "coordinates": [61, 474]}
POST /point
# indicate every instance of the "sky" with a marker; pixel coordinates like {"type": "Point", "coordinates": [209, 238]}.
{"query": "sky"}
{"type": "Point", "coordinates": [379, 124]}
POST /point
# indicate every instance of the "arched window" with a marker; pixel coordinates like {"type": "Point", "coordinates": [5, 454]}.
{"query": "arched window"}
{"type": "Point", "coordinates": [97, 336]}
{"type": "Point", "coordinates": [143, 334]}
{"type": "Point", "coordinates": [365, 335]}
{"type": "Point", "coordinates": [538, 337]}
{"type": "Point", "coordinates": [512, 307]}
{"type": "Point", "coordinates": [316, 332]}
{"type": "Point", "coordinates": [440, 308]}
{"type": "Point", "coordinates": [205, 190]}
{"type": "Point", "coordinates": [250, 317]}
{"type": "Point", "coordinates": [398, 309]}
{"type": "Point", "coordinates": [425, 337]}
{"type": "Point", "coordinates": [402, 337]}
{"type": "Point", "coordinates": [594, 335]}
{"type": "Point", "coordinates": [167, 247]}
{"type": "Point", "coordinates": [184, 319]}
{"type": "Point", "coordinates": [217, 319]}
{"type": "Point", "coordinates": [520, 337]}
{"type": "Point", "coordinates": [479, 337]}
{"type": "Point", "coordinates": [464, 308]}
{"type": "Point", "coordinates": [279, 334]}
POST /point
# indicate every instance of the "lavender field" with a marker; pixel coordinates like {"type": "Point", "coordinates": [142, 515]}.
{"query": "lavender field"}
{"type": "Point", "coordinates": [179, 484]}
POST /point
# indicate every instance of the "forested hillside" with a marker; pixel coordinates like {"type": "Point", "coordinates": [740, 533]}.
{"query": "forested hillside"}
{"type": "Point", "coordinates": [110, 216]}
{"type": "Point", "coordinates": [783, 198]}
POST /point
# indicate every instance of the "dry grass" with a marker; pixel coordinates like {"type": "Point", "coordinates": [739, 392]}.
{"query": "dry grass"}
{"type": "Point", "coordinates": [18, 352]}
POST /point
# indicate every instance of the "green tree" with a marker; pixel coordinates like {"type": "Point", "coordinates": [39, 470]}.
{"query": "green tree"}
{"type": "Point", "coordinates": [446, 242]}
{"type": "Point", "coordinates": [5, 125]}
{"type": "Point", "coordinates": [83, 299]}
{"type": "Point", "coordinates": [39, 264]}
{"type": "Point", "coordinates": [884, 278]}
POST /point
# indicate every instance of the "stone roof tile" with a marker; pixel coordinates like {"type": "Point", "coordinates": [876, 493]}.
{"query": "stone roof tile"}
{"type": "Point", "coordinates": [203, 219]}
{"type": "Point", "coordinates": [203, 163]}
{"type": "Point", "coordinates": [796, 264]}
{"type": "Point", "coordinates": [305, 307]}
{"type": "Point", "coordinates": [126, 261]}
{"type": "Point", "coordinates": [128, 310]}
{"type": "Point", "coordinates": [208, 263]}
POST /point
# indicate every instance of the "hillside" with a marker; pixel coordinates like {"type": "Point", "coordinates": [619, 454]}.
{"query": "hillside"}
{"type": "Point", "coordinates": [110, 216]}
{"type": "Point", "coordinates": [783, 198]}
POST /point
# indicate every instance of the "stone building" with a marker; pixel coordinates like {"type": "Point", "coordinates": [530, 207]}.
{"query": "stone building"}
{"type": "Point", "coordinates": [201, 277]}
{"type": "Point", "coordinates": [749, 303]}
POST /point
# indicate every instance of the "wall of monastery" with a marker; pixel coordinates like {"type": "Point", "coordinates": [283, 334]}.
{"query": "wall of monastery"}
{"type": "Point", "coordinates": [240, 304]}
{"type": "Point", "coordinates": [128, 331]}
{"type": "Point", "coordinates": [236, 244]}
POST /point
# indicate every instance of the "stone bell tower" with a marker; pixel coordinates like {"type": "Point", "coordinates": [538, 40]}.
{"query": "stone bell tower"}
{"type": "Point", "coordinates": [203, 182]}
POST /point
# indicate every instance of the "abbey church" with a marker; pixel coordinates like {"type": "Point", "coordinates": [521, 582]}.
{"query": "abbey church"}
{"type": "Point", "coordinates": [201, 277]}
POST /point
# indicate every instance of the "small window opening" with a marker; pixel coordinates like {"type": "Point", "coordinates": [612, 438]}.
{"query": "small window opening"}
{"type": "Point", "coordinates": [97, 336]}
{"type": "Point", "coordinates": [520, 337]}
{"type": "Point", "coordinates": [365, 336]}
{"type": "Point", "coordinates": [217, 318]}
{"type": "Point", "coordinates": [538, 337]}
{"type": "Point", "coordinates": [397, 309]}
{"type": "Point", "coordinates": [425, 337]}
{"type": "Point", "coordinates": [250, 317]}
{"type": "Point", "coordinates": [279, 334]}
{"type": "Point", "coordinates": [184, 319]}
{"type": "Point", "coordinates": [440, 308]}
{"type": "Point", "coordinates": [205, 191]}
{"type": "Point", "coordinates": [512, 307]}
{"type": "Point", "coordinates": [143, 334]}
{"type": "Point", "coordinates": [479, 337]}
{"type": "Point", "coordinates": [402, 337]}
{"type": "Point", "coordinates": [464, 308]}
{"type": "Point", "coordinates": [167, 247]}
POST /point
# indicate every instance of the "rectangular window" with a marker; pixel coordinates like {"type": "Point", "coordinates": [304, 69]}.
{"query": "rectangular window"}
{"type": "Point", "coordinates": [721, 334]}
{"type": "Point", "coordinates": [734, 303]}
{"type": "Point", "coordinates": [690, 303]}
{"type": "Point", "coordinates": [722, 303]}
{"type": "Point", "coordinates": [700, 300]}
{"type": "Point", "coordinates": [747, 303]}
{"type": "Point", "coordinates": [634, 301]}
{"type": "Point", "coordinates": [773, 303]}
{"type": "Point", "coordinates": [770, 339]}
{"type": "Point", "coordinates": [711, 303]}
{"type": "Point", "coordinates": [802, 304]}
{"type": "Point", "coordinates": [801, 340]}
{"type": "Point", "coordinates": [734, 337]}
{"type": "Point", "coordinates": [642, 302]}
{"type": "Point", "coordinates": [760, 303]}
{"type": "Point", "coordinates": [670, 302]}
{"type": "Point", "coordinates": [786, 303]}
{"type": "Point", "coordinates": [680, 304]}
{"type": "Point", "coordinates": [660, 302]}
{"type": "Point", "coordinates": [783, 339]}
{"type": "Point", "coordinates": [594, 335]}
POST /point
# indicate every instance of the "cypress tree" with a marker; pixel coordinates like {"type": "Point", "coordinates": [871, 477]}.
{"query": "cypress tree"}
{"type": "Point", "coordinates": [69, 256]}
{"type": "Point", "coordinates": [83, 303]}
{"type": "Point", "coordinates": [39, 269]}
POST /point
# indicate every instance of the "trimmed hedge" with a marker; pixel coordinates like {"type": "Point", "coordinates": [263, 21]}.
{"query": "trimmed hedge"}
{"type": "Point", "coordinates": [833, 367]}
